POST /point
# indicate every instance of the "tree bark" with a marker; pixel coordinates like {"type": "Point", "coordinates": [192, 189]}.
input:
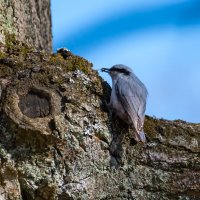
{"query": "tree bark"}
{"type": "Point", "coordinates": [57, 140]}
{"type": "Point", "coordinates": [29, 21]}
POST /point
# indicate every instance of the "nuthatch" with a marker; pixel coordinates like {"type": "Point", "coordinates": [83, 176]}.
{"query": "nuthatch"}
{"type": "Point", "coordinates": [128, 98]}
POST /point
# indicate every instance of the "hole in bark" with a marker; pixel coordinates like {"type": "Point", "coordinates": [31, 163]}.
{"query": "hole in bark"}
{"type": "Point", "coordinates": [35, 104]}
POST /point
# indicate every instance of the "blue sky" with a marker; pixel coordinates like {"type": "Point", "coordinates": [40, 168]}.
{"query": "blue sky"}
{"type": "Point", "coordinates": [159, 39]}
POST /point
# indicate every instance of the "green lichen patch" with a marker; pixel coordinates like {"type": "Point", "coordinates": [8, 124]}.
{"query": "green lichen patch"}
{"type": "Point", "coordinates": [19, 58]}
{"type": "Point", "coordinates": [71, 63]}
{"type": "Point", "coordinates": [14, 46]}
{"type": "Point", "coordinates": [2, 55]}
{"type": "Point", "coordinates": [150, 126]}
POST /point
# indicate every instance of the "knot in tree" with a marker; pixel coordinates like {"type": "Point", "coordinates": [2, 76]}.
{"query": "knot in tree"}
{"type": "Point", "coordinates": [35, 104]}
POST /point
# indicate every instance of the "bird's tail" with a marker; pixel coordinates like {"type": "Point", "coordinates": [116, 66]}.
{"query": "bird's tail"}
{"type": "Point", "coordinates": [142, 136]}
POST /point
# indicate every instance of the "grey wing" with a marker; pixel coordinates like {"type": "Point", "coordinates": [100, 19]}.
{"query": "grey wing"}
{"type": "Point", "coordinates": [132, 94]}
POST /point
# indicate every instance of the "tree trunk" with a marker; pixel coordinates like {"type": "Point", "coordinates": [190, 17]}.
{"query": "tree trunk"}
{"type": "Point", "coordinates": [28, 21]}
{"type": "Point", "coordinates": [57, 140]}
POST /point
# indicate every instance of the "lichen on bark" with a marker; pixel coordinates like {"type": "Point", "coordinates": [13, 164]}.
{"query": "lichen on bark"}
{"type": "Point", "coordinates": [76, 150]}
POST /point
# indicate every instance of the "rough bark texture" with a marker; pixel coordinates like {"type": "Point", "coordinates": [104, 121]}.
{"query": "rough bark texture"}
{"type": "Point", "coordinates": [68, 147]}
{"type": "Point", "coordinates": [28, 21]}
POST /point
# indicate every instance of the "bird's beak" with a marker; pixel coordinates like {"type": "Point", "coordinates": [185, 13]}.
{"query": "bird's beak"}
{"type": "Point", "coordinates": [105, 70]}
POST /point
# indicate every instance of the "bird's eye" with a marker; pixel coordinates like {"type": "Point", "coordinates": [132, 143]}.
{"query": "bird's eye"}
{"type": "Point", "coordinates": [124, 71]}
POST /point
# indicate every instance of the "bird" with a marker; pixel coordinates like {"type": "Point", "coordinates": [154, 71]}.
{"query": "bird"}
{"type": "Point", "coordinates": [128, 98]}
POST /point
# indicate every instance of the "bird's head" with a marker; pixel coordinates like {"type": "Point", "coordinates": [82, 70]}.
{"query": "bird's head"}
{"type": "Point", "coordinates": [117, 70]}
